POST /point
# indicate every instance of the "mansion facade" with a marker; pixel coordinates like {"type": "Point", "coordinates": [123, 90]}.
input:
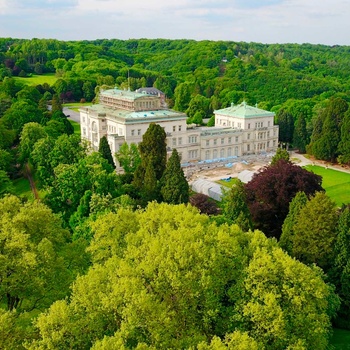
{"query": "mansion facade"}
{"type": "Point", "coordinates": [124, 116]}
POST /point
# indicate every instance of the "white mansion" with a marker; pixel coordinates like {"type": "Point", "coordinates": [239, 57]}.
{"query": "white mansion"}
{"type": "Point", "coordinates": [124, 116]}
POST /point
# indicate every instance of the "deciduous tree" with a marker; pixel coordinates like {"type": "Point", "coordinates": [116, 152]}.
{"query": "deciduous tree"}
{"type": "Point", "coordinates": [272, 189]}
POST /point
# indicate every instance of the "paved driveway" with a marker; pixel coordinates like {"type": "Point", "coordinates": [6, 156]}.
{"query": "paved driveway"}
{"type": "Point", "coordinates": [73, 115]}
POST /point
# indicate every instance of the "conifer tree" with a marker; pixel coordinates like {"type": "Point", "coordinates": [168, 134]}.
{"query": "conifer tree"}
{"type": "Point", "coordinates": [153, 149]}
{"type": "Point", "coordinates": [301, 135]}
{"type": "Point", "coordinates": [174, 186]}
{"type": "Point", "coordinates": [281, 153]}
{"type": "Point", "coordinates": [315, 232]}
{"type": "Point", "coordinates": [286, 240]}
{"type": "Point", "coordinates": [106, 151]}
{"type": "Point", "coordinates": [150, 189]}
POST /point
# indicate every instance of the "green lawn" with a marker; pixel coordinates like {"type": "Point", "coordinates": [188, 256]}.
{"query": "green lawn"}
{"type": "Point", "coordinates": [229, 183]}
{"type": "Point", "coordinates": [336, 183]}
{"type": "Point", "coordinates": [38, 79]}
{"type": "Point", "coordinates": [76, 127]}
{"type": "Point", "coordinates": [340, 339]}
{"type": "Point", "coordinates": [22, 188]}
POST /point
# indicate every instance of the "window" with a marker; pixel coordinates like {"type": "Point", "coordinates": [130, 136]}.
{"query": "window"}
{"type": "Point", "coordinates": [236, 139]}
{"type": "Point", "coordinates": [229, 139]}
{"type": "Point", "coordinates": [215, 142]}
{"type": "Point", "coordinates": [222, 153]}
{"type": "Point", "coordinates": [192, 139]}
{"type": "Point", "coordinates": [248, 125]}
{"type": "Point", "coordinates": [84, 131]}
{"type": "Point", "coordinates": [239, 125]}
{"type": "Point", "coordinates": [229, 152]}
{"type": "Point", "coordinates": [248, 148]}
{"type": "Point", "coordinates": [174, 142]}
{"type": "Point", "coordinates": [268, 123]}
{"type": "Point", "coordinates": [179, 127]}
{"type": "Point", "coordinates": [192, 154]}
{"type": "Point", "coordinates": [139, 132]}
{"type": "Point", "coordinates": [236, 151]}
{"type": "Point", "coordinates": [174, 128]}
{"type": "Point", "coordinates": [222, 141]}
{"type": "Point", "coordinates": [180, 141]}
{"type": "Point", "coordinates": [207, 142]}
{"type": "Point", "coordinates": [207, 155]}
{"type": "Point", "coordinates": [215, 153]}
{"type": "Point", "coordinates": [83, 119]}
{"type": "Point", "coordinates": [268, 134]}
{"type": "Point", "coordinates": [132, 132]}
{"type": "Point", "coordinates": [248, 137]}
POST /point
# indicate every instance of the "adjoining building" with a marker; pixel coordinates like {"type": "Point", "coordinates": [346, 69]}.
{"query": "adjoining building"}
{"type": "Point", "coordinates": [124, 116]}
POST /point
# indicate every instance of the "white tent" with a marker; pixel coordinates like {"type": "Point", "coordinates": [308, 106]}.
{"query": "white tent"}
{"type": "Point", "coordinates": [246, 175]}
{"type": "Point", "coordinates": [208, 188]}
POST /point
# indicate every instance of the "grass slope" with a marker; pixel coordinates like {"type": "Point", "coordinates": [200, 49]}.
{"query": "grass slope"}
{"type": "Point", "coordinates": [336, 183]}
{"type": "Point", "coordinates": [38, 79]}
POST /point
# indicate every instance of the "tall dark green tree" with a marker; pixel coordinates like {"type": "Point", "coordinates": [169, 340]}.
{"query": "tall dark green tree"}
{"type": "Point", "coordinates": [153, 149]}
{"type": "Point", "coordinates": [344, 144]}
{"type": "Point", "coordinates": [285, 122]}
{"type": "Point", "coordinates": [105, 151]}
{"type": "Point", "coordinates": [326, 137]}
{"type": "Point", "coordinates": [340, 275]}
{"type": "Point", "coordinates": [174, 186]}
{"type": "Point", "coordinates": [315, 232]}
{"type": "Point", "coordinates": [301, 135]}
{"type": "Point", "coordinates": [286, 240]}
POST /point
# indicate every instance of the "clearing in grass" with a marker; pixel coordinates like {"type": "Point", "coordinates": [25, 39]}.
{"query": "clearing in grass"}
{"type": "Point", "coordinates": [38, 79]}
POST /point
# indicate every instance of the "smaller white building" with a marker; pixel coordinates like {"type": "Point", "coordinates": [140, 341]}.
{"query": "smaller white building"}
{"type": "Point", "coordinates": [124, 116]}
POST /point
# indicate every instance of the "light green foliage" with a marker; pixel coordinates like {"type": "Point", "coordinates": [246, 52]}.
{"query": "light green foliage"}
{"type": "Point", "coordinates": [287, 236]}
{"type": "Point", "coordinates": [128, 157]}
{"type": "Point", "coordinates": [175, 280]}
{"type": "Point", "coordinates": [20, 113]}
{"type": "Point", "coordinates": [286, 302]}
{"type": "Point", "coordinates": [32, 272]}
{"type": "Point", "coordinates": [235, 341]}
{"type": "Point", "coordinates": [281, 153]}
{"type": "Point", "coordinates": [72, 180]}
{"type": "Point", "coordinates": [30, 134]}
{"type": "Point", "coordinates": [315, 231]}
{"type": "Point", "coordinates": [6, 160]}
{"type": "Point", "coordinates": [5, 184]}
{"type": "Point", "coordinates": [174, 186]}
{"type": "Point", "coordinates": [234, 206]}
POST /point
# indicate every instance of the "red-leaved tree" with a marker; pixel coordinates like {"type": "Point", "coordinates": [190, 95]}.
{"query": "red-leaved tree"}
{"type": "Point", "coordinates": [271, 190]}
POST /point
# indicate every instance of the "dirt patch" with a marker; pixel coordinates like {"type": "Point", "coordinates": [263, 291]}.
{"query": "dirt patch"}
{"type": "Point", "coordinates": [222, 171]}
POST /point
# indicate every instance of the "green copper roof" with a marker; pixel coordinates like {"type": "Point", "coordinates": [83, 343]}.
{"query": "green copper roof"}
{"type": "Point", "coordinates": [124, 94]}
{"type": "Point", "coordinates": [244, 111]}
{"type": "Point", "coordinates": [132, 116]}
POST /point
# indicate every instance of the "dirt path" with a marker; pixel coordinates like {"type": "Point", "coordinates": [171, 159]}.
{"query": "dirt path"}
{"type": "Point", "coordinates": [31, 182]}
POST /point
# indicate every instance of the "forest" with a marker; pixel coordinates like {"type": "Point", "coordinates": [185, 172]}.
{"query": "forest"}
{"type": "Point", "coordinates": [135, 260]}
